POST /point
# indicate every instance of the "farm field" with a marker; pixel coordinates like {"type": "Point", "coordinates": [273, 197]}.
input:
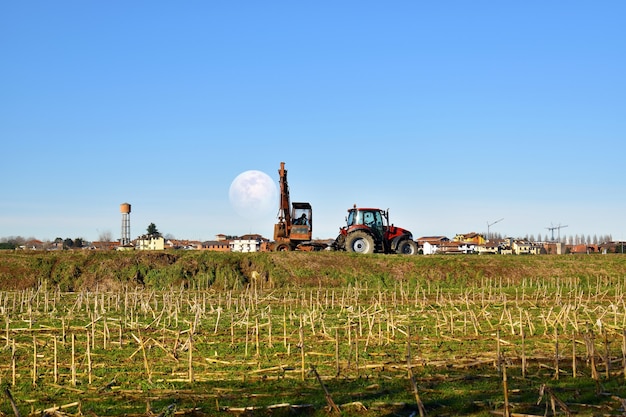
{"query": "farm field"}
{"type": "Point", "coordinates": [311, 333]}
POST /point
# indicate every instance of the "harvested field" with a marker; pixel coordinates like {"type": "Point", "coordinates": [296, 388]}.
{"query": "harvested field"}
{"type": "Point", "coordinates": [314, 334]}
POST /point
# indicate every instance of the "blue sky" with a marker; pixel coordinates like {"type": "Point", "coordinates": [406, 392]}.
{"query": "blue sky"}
{"type": "Point", "coordinates": [452, 114]}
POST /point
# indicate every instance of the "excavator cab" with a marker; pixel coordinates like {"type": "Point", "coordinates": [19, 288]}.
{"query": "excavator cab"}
{"type": "Point", "coordinates": [302, 223]}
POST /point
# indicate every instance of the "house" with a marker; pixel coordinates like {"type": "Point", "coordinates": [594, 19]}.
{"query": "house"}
{"type": "Point", "coordinates": [523, 247]}
{"type": "Point", "coordinates": [245, 245]}
{"type": "Point", "coordinates": [253, 236]}
{"type": "Point", "coordinates": [216, 245]}
{"type": "Point", "coordinates": [104, 245]}
{"type": "Point", "coordinates": [612, 247]}
{"type": "Point", "coordinates": [432, 239]}
{"type": "Point", "coordinates": [183, 244]}
{"type": "Point", "coordinates": [457, 248]}
{"type": "Point", "coordinates": [430, 245]}
{"type": "Point", "coordinates": [193, 244]}
{"type": "Point", "coordinates": [150, 242]}
{"type": "Point", "coordinates": [583, 248]}
{"type": "Point", "coordinates": [473, 237]}
{"type": "Point", "coordinates": [493, 246]}
{"type": "Point", "coordinates": [430, 248]}
{"type": "Point", "coordinates": [32, 244]}
{"type": "Point", "coordinates": [553, 248]}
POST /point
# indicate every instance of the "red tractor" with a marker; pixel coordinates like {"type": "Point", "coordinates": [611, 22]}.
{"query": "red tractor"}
{"type": "Point", "coordinates": [368, 230]}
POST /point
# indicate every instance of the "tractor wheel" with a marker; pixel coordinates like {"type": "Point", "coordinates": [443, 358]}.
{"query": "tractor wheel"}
{"type": "Point", "coordinates": [360, 242]}
{"type": "Point", "coordinates": [407, 247]}
{"type": "Point", "coordinates": [283, 247]}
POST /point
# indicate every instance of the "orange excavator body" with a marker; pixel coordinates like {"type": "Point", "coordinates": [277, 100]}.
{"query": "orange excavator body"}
{"type": "Point", "coordinates": [294, 228]}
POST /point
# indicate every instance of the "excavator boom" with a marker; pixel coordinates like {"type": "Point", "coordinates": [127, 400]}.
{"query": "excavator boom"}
{"type": "Point", "coordinates": [284, 208]}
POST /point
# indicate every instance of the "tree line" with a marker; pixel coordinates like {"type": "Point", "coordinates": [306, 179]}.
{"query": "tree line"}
{"type": "Point", "coordinates": [14, 242]}
{"type": "Point", "coordinates": [565, 239]}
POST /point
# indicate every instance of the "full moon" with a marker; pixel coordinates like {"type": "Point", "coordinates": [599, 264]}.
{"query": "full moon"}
{"type": "Point", "coordinates": [253, 194]}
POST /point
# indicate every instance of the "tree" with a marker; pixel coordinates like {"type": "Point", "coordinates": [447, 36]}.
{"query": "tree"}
{"type": "Point", "coordinates": [16, 240]}
{"type": "Point", "coordinates": [105, 236]}
{"type": "Point", "coordinates": [153, 231]}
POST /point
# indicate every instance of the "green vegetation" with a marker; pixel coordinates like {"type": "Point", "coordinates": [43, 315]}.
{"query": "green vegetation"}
{"type": "Point", "coordinates": [7, 246]}
{"type": "Point", "coordinates": [201, 270]}
{"type": "Point", "coordinates": [111, 333]}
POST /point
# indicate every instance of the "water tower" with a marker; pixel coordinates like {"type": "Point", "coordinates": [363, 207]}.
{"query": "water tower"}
{"type": "Point", "coordinates": [125, 210]}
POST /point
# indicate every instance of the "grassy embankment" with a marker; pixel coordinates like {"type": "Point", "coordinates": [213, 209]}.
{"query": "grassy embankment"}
{"type": "Point", "coordinates": [108, 333]}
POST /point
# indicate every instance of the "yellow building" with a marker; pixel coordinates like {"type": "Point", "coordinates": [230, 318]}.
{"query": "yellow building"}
{"type": "Point", "coordinates": [150, 242]}
{"type": "Point", "coordinates": [473, 237]}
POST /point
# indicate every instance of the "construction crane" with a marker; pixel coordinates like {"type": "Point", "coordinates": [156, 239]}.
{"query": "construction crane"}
{"type": "Point", "coordinates": [558, 229]}
{"type": "Point", "coordinates": [491, 224]}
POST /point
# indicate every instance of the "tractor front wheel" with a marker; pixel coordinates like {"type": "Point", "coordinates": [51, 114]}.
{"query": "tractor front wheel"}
{"type": "Point", "coordinates": [407, 247]}
{"type": "Point", "coordinates": [360, 242]}
{"type": "Point", "coordinates": [339, 243]}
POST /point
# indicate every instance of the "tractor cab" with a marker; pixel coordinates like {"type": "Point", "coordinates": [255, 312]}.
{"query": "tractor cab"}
{"type": "Point", "coordinates": [373, 219]}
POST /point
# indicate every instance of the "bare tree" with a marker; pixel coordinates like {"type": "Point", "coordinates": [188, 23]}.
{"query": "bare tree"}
{"type": "Point", "coordinates": [105, 238]}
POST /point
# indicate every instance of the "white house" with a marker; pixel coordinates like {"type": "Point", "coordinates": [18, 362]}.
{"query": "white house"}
{"type": "Point", "coordinates": [429, 248]}
{"type": "Point", "coordinates": [245, 245]}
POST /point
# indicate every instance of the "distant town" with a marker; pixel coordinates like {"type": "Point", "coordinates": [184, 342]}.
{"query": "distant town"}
{"type": "Point", "coordinates": [467, 243]}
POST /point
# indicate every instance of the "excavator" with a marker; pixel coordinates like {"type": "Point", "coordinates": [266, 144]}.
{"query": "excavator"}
{"type": "Point", "coordinates": [295, 222]}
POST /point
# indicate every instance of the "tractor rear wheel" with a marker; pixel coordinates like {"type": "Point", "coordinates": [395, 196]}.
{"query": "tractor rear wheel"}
{"type": "Point", "coordinates": [283, 247]}
{"type": "Point", "coordinates": [360, 242]}
{"type": "Point", "coordinates": [407, 247]}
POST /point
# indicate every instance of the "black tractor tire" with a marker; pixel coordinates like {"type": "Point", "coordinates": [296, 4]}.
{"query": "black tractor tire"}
{"type": "Point", "coordinates": [360, 242]}
{"type": "Point", "coordinates": [407, 247]}
{"type": "Point", "coordinates": [283, 247]}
